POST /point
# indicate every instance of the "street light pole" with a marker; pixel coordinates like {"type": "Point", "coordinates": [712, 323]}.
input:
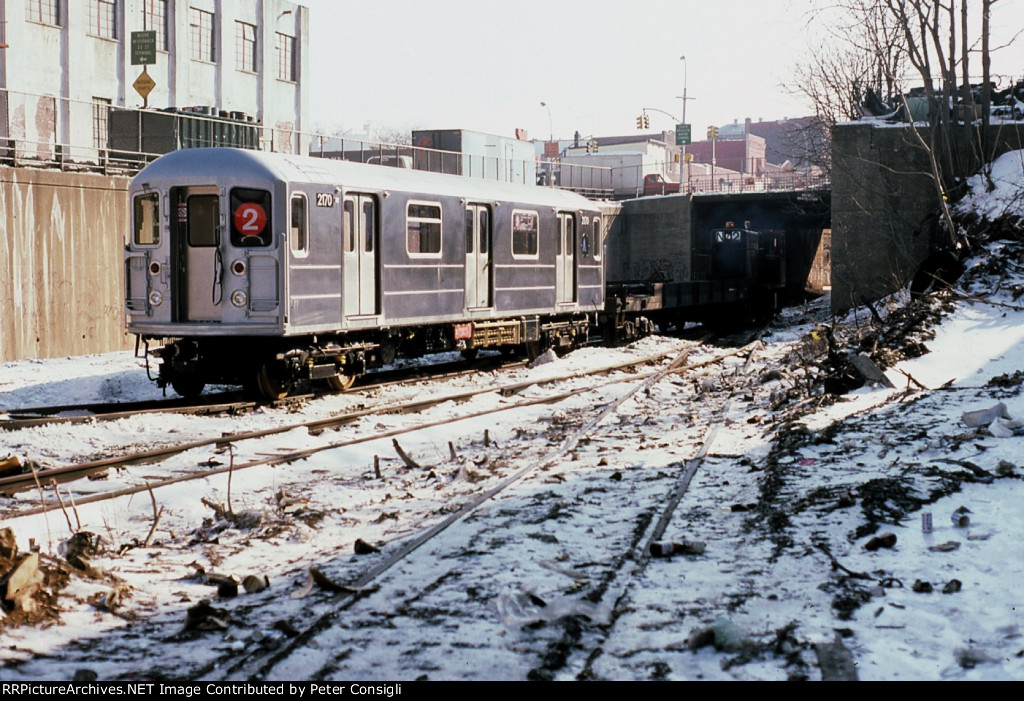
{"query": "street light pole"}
{"type": "Point", "coordinates": [682, 154]}
{"type": "Point", "coordinates": [551, 129]}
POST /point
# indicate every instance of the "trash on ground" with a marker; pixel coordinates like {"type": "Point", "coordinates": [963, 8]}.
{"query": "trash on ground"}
{"type": "Point", "coordinates": [668, 548]}
{"type": "Point", "coordinates": [317, 579]}
{"type": "Point", "coordinates": [960, 518]}
{"type": "Point", "coordinates": [886, 540]}
{"type": "Point", "coordinates": [548, 356]}
{"type": "Point", "coordinates": [519, 606]}
{"type": "Point", "coordinates": [996, 419]}
{"type": "Point", "coordinates": [363, 548]}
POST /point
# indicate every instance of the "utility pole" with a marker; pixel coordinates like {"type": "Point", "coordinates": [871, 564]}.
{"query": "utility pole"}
{"type": "Point", "coordinates": [682, 154]}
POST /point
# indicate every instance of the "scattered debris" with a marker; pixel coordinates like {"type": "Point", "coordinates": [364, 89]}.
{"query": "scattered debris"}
{"type": "Point", "coordinates": [947, 547]}
{"type": "Point", "coordinates": [548, 356]}
{"type": "Point", "coordinates": [11, 465]}
{"type": "Point", "coordinates": [996, 419]}
{"type": "Point", "coordinates": [922, 587]}
{"type": "Point", "coordinates": [315, 578]}
{"type": "Point", "coordinates": [836, 662]}
{"type": "Point", "coordinates": [80, 548]}
{"type": "Point", "coordinates": [255, 583]}
{"type": "Point", "coordinates": [204, 617]}
{"type": "Point", "coordinates": [668, 548]}
{"type": "Point", "coordinates": [23, 582]}
{"type": "Point", "coordinates": [364, 548]}
{"type": "Point", "coordinates": [969, 658]}
{"type": "Point", "coordinates": [868, 370]}
{"type": "Point", "coordinates": [886, 540]}
{"type": "Point", "coordinates": [960, 517]}
{"type": "Point", "coordinates": [409, 462]}
{"type": "Point", "coordinates": [227, 585]}
{"type": "Point", "coordinates": [952, 586]}
{"type": "Point", "coordinates": [520, 607]}
{"type": "Point", "coordinates": [725, 635]}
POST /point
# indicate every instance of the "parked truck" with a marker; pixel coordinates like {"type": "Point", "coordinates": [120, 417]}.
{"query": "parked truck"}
{"type": "Point", "coordinates": [656, 184]}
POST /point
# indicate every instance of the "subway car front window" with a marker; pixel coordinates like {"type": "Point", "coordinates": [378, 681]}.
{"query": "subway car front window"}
{"type": "Point", "coordinates": [250, 218]}
{"type": "Point", "coordinates": [147, 220]}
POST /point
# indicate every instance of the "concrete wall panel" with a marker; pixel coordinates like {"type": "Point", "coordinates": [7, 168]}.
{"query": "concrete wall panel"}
{"type": "Point", "coordinates": [61, 244]}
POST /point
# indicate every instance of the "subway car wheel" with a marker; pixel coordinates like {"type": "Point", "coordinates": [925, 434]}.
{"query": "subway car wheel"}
{"type": "Point", "coordinates": [188, 387]}
{"type": "Point", "coordinates": [341, 383]}
{"type": "Point", "coordinates": [271, 381]}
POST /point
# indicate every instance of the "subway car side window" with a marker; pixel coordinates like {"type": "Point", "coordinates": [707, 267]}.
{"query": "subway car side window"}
{"type": "Point", "coordinates": [423, 229]}
{"type": "Point", "coordinates": [298, 233]}
{"type": "Point", "coordinates": [525, 234]}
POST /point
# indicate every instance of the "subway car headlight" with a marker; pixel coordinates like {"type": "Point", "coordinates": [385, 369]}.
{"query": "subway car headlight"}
{"type": "Point", "coordinates": [155, 298]}
{"type": "Point", "coordinates": [239, 298]}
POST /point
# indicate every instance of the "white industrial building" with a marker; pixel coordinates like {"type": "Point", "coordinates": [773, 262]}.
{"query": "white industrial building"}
{"type": "Point", "coordinates": [64, 64]}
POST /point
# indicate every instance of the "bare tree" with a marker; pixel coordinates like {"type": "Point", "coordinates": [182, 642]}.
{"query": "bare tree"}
{"type": "Point", "coordinates": [863, 52]}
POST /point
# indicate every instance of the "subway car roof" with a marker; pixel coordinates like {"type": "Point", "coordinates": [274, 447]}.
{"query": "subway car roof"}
{"type": "Point", "coordinates": [224, 166]}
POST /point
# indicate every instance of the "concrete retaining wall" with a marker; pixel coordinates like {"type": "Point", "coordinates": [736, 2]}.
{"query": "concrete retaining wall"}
{"type": "Point", "coordinates": [885, 206]}
{"type": "Point", "coordinates": [61, 243]}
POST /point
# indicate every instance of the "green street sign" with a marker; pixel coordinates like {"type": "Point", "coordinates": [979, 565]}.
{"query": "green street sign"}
{"type": "Point", "coordinates": [144, 48]}
{"type": "Point", "coordinates": [682, 135]}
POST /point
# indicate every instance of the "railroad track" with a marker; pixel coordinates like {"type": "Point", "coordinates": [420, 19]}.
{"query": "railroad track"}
{"type": "Point", "coordinates": [636, 525]}
{"type": "Point", "coordinates": [612, 557]}
{"type": "Point", "coordinates": [33, 479]}
{"type": "Point", "coordinates": [234, 402]}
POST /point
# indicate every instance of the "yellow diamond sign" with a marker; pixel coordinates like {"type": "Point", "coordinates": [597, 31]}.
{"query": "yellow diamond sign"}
{"type": "Point", "coordinates": [144, 84]}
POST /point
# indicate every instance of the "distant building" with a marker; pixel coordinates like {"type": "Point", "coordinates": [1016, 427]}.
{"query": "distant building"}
{"type": "Point", "coordinates": [478, 154]}
{"type": "Point", "coordinates": [803, 142]}
{"type": "Point", "coordinates": [67, 63]}
{"type": "Point", "coordinates": [743, 154]}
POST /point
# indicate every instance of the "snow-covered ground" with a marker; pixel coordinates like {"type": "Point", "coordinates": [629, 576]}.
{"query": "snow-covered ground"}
{"type": "Point", "coordinates": [796, 503]}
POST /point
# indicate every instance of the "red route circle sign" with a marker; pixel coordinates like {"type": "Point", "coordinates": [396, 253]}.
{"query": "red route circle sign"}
{"type": "Point", "coordinates": [250, 219]}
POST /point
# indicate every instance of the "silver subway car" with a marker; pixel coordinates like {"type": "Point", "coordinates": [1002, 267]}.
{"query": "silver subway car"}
{"type": "Point", "coordinates": [268, 269]}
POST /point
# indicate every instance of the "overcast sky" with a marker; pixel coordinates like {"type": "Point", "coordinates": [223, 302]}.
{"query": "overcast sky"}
{"type": "Point", "coordinates": [486, 65]}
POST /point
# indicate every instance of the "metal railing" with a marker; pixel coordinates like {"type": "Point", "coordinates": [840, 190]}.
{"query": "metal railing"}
{"type": "Point", "coordinates": [733, 183]}
{"type": "Point", "coordinates": [141, 136]}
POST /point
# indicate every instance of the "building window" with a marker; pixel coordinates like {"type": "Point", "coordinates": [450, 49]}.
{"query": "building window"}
{"type": "Point", "coordinates": [245, 47]}
{"type": "Point", "coordinates": [100, 115]}
{"type": "Point", "coordinates": [154, 18]}
{"type": "Point", "coordinates": [45, 11]}
{"type": "Point", "coordinates": [200, 33]}
{"type": "Point", "coordinates": [286, 68]}
{"type": "Point", "coordinates": [103, 18]}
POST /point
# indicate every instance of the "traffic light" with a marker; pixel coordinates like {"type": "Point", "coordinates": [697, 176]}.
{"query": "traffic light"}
{"type": "Point", "coordinates": [640, 122]}
{"type": "Point", "coordinates": [592, 146]}
{"type": "Point", "coordinates": [712, 133]}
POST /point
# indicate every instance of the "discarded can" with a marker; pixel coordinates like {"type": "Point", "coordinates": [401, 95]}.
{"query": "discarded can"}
{"type": "Point", "coordinates": [926, 522]}
{"type": "Point", "coordinates": [960, 519]}
{"type": "Point", "coordinates": [667, 548]}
